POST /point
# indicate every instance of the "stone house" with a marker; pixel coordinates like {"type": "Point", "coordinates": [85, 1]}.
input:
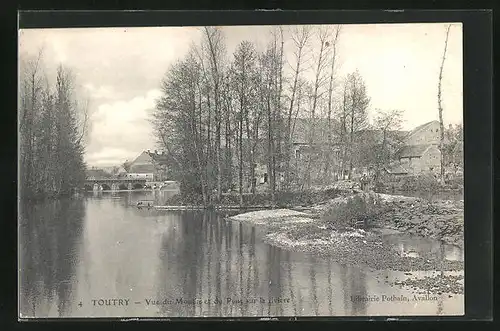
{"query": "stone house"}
{"type": "Point", "coordinates": [151, 166]}
{"type": "Point", "coordinates": [420, 153]}
{"type": "Point", "coordinates": [304, 132]}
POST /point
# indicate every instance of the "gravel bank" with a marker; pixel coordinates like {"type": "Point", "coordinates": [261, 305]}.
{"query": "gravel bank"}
{"type": "Point", "coordinates": [441, 220]}
{"type": "Point", "coordinates": [306, 232]}
{"type": "Point", "coordinates": [439, 284]}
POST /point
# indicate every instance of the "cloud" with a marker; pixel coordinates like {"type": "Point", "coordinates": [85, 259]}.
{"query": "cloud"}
{"type": "Point", "coordinates": [102, 92]}
{"type": "Point", "coordinates": [109, 156]}
{"type": "Point", "coordinates": [121, 129]}
{"type": "Point", "coordinates": [122, 69]}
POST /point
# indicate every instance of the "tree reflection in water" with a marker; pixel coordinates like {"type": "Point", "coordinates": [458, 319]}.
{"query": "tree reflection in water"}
{"type": "Point", "coordinates": [358, 288]}
{"type": "Point", "coordinates": [50, 238]}
{"type": "Point", "coordinates": [345, 288]}
{"type": "Point", "coordinates": [313, 288]}
{"type": "Point", "coordinates": [188, 255]}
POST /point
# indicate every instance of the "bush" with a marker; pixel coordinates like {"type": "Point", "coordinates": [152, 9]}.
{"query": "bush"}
{"type": "Point", "coordinates": [455, 182]}
{"type": "Point", "coordinates": [360, 209]}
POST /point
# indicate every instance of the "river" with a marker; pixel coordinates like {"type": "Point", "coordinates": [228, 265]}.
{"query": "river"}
{"type": "Point", "coordinates": [79, 254]}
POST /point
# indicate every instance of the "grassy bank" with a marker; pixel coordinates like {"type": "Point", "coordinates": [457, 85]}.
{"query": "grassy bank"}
{"type": "Point", "coordinates": [424, 183]}
{"type": "Point", "coordinates": [284, 199]}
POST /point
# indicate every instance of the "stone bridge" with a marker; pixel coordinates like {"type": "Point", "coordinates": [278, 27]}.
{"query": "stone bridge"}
{"type": "Point", "coordinates": [114, 184]}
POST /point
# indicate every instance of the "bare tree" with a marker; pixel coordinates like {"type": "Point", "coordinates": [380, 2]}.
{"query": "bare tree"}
{"type": "Point", "coordinates": [180, 113]}
{"type": "Point", "coordinates": [329, 151]}
{"type": "Point", "coordinates": [386, 122]}
{"type": "Point", "coordinates": [320, 79]}
{"type": "Point", "coordinates": [244, 71]}
{"type": "Point", "coordinates": [30, 97]}
{"type": "Point", "coordinates": [272, 70]}
{"type": "Point", "coordinates": [357, 115]}
{"type": "Point", "coordinates": [440, 107]}
{"type": "Point", "coordinates": [83, 122]}
{"type": "Point", "coordinates": [51, 152]}
{"type": "Point", "coordinates": [300, 37]}
{"type": "Point", "coordinates": [214, 41]}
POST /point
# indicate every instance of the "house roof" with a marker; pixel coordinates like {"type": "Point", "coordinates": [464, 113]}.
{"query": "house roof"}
{"type": "Point", "coordinates": [421, 128]}
{"type": "Point", "coordinates": [142, 168]}
{"type": "Point", "coordinates": [413, 150]}
{"type": "Point", "coordinates": [397, 169]}
{"type": "Point", "coordinates": [159, 158]}
{"type": "Point", "coordinates": [143, 158]}
{"type": "Point", "coordinates": [121, 170]}
{"type": "Point", "coordinates": [377, 135]}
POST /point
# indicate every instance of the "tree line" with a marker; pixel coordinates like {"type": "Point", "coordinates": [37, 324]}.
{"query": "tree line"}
{"type": "Point", "coordinates": [284, 107]}
{"type": "Point", "coordinates": [53, 125]}
{"type": "Point", "coordinates": [221, 115]}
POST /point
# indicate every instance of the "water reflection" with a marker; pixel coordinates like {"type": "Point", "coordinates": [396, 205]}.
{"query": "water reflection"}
{"type": "Point", "coordinates": [49, 251]}
{"type": "Point", "coordinates": [423, 247]}
{"type": "Point", "coordinates": [77, 251]}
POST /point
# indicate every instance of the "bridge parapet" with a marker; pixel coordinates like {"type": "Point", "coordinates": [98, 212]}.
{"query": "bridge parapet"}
{"type": "Point", "coordinates": [115, 184]}
{"type": "Point", "coordinates": [119, 180]}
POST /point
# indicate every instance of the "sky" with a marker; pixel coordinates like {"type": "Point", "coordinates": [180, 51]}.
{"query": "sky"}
{"type": "Point", "coordinates": [121, 69]}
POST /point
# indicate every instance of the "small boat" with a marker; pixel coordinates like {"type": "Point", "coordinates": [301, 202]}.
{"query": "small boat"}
{"type": "Point", "coordinates": [145, 204]}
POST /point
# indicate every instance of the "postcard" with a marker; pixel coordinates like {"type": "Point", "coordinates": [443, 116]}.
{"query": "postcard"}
{"type": "Point", "coordinates": [241, 171]}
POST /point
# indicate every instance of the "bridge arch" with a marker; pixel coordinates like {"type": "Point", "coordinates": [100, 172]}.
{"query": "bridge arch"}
{"type": "Point", "coordinates": [115, 184]}
{"type": "Point", "coordinates": [105, 186]}
{"type": "Point", "coordinates": [137, 186]}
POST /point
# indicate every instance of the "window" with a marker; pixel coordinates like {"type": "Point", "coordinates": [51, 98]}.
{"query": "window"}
{"type": "Point", "coordinates": [265, 178]}
{"type": "Point", "coordinates": [297, 154]}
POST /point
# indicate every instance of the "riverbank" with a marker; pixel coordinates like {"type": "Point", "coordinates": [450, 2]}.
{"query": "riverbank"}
{"type": "Point", "coordinates": [294, 199]}
{"type": "Point", "coordinates": [282, 199]}
{"type": "Point", "coordinates": [333, 229]}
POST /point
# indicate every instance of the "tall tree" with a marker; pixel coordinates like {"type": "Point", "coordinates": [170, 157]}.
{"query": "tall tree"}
{"type": "Point", "coordinates": [387, 123]}
{"type": "Point", "coordinates": [440, 107]}
{"type": "Point", "coordinates": [329, 152]}
{"type": "Point", "coordinates": [320, 79]}
{"type": "Point", "coordinates": [52, 127]}
{"type": "Point", "coordinates": [30, 95]}
{"type": "Point", "coordinates": [179, 118]}
{"type": "Point", "coordinates": [214, 42]}
{"type": "Point", "coordinates": [453, 147]}
{"type": "Point", "coordinates": [69, 156]}
{"type": "Point", "coordinates": [244, 73]}
{"type": "Point", "coordinates": [300, 37]}
{"type": "Point", "coordinates": [272, 69]}
{"type": "Point", "coordinates": [357, 102]}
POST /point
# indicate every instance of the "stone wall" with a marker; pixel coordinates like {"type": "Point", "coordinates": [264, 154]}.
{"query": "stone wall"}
{"type": "Point", "coordinates": [430, 161]}
{"type": "Point", "coordinates": [427, 135]}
